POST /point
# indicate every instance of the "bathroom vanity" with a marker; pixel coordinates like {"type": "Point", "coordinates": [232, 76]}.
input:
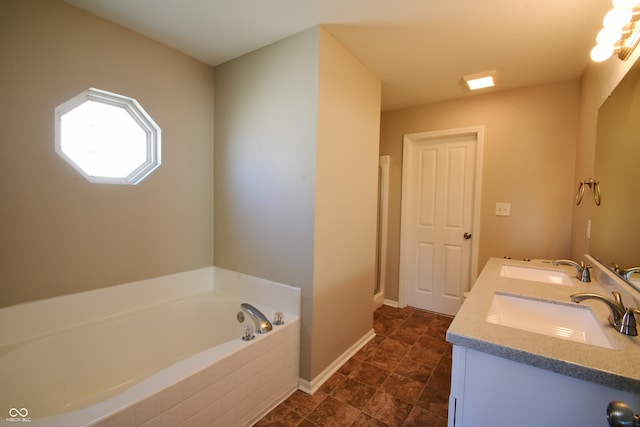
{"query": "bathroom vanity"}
{"type": "Point", "coordinates": [525, 355]}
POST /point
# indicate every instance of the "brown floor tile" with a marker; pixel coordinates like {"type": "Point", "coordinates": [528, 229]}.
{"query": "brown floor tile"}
{"type": "Point", "coordinates": [407, 336]}
{"type": "Point", "coordinates": [365, 420]}
{"type": "Point", "coordinates": [388, 354]}
{"type": "Point", "coordinates": [401, 377]}
{"type": "Point", "coordinates": [306, 423]}
{"type": "Point", "coordinates": [351, 365]}
{"type": "Point", "coordinates": [366, 351]}
{"type": "Point", "coordinates": [440, 380]}
{"type": "Point", "coordinates": [281, 416]}
{"type": "Point", "coordinates": [420, 417]}
{"type": "Point", "coordinates": [332, 383]}
{"type": "Point", "coordinates": [403, 388]}
{"type": "Point", "coordinates": [302, 403]}
{"type": "Point", "coordinates": [434, 400]}
{"type": "Point", "coordinates": [369, 374]}
{"type": "Point", "coordinates": [354, 393]}
{"type": "Point", "coordinates": [333, 413]}
{"type": "Point", "coordinates": [417, 370]}
{"type": "Point", "coordinates": [388, 409]}
{"type": "Point", "coordinates": [418, 355]}
{"type": "Point", "coordinates": [384, 325]}
{"type": "Point", "coordinates": [428, 342]}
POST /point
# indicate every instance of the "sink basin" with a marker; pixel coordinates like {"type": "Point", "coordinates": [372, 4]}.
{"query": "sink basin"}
{"type": "Point", "coordinates": [566, 321]}
{"type": "Point", "coordinates": [534, 274]}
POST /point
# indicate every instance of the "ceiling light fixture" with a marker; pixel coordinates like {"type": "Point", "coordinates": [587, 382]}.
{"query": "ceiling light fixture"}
{"type": "Point", "coordinates": [480, 80]}
{"type": "Point", "coordinates": [620, 32]}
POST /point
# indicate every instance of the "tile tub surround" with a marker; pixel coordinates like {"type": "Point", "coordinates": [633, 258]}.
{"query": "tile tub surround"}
{"type": "Point", "coordinates": [616, 368]}
{"type": "Point", "coordinates": [218, 372]}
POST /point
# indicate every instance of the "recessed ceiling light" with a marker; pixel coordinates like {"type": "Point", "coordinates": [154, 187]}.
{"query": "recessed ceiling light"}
{"type": "Point", "coordinates": [480, 80]}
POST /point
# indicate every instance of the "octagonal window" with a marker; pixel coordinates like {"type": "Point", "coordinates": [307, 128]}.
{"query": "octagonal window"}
{"type": "Point", "coordinates": [108, 138]}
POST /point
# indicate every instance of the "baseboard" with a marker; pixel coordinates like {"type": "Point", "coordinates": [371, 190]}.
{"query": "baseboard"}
{"type": "Point", "coordinates": [391, 303]}
{"type": "Point", "coordinates": [312, 386]}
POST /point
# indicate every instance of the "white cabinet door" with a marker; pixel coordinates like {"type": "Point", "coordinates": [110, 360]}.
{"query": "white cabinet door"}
{"type": "Point", "coordinates": [491, 391]}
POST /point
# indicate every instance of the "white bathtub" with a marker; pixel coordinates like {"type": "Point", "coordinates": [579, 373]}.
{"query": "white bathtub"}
{"type": "Point", "coordinates": [161, 351]}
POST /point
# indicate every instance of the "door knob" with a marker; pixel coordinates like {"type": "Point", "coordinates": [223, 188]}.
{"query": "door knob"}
{"type": "Point", "coordinates": [467, 235]}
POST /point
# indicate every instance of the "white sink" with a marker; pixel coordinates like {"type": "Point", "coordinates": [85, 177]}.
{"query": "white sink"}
{"type": "Point", "coordinates": [567, 321]}
{"type": "Point", "coordinates": [534, 274]}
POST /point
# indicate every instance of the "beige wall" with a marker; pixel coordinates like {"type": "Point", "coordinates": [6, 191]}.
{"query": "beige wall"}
{"type": "Point", "coordinates": [346, 202]}
{"type": "Point", "coordinates": [295, 171]}
{"type": "Point", "coordinates": [528, 160]}
{"type": "Point", "coordinates": [59, 233]}
{"type": "Point", "coordinates": [265, 161]}
{"type": "Point", "coordinates": [597, 82]}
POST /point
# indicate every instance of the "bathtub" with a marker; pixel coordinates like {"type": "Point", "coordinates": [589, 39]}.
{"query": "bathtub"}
{"type": "Point", "coordinates": [162, 351]}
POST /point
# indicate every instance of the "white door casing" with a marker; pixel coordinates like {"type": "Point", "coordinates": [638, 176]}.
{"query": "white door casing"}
{"type": "Point", "coordinates": [383, 219]}
{"type": "Point", "coordinates": [440, 205]}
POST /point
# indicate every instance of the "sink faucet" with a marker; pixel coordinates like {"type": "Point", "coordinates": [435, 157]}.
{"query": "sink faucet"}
{"type": "Point", "coordinates": [582, 268]}
{"type": "Point", "coordinates": [622, 318]}
{"type": "Point", "coordinates": [262, 324]}
{"type": "Point", "coordinates": [627, 272]}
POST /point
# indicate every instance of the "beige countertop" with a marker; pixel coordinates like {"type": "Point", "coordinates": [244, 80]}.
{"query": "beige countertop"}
{"type": "Point", "coordinates": [618, 367]}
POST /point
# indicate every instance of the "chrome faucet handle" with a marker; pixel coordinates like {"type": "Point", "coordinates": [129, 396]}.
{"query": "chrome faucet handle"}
{"type": "Point", "coordinates": [628, 325]}
{"type": "Point", "coordinates": [585, 275]}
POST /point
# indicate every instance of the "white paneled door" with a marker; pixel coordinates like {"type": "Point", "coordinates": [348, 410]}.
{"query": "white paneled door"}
{"type": "Point", "coordinates": [437, 242]}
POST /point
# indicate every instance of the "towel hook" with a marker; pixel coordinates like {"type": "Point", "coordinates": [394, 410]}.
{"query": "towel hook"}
{"type": "Point", "coordinates": [594, 185]}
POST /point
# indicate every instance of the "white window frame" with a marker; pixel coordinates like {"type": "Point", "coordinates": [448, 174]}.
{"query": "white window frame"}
{"type": "Point", "coordinates": [137, 113]}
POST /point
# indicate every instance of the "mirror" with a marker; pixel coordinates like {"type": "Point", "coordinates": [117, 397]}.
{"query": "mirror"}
{"type": "Point", "coordinates": [615, 232]}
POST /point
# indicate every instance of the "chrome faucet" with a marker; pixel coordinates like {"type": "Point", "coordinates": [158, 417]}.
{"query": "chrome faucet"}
{"type": "Point", "coordinates": [582, 268]}
{"type": "Point", "coordinates": [622, 318]}
{"type": "Point", "coordinates": [262, 324]}
{"type": "Point", "coordinates": [627, 272]}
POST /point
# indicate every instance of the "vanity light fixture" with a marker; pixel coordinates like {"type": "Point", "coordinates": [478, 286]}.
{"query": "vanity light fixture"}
{"type": "Point", "coordinates": [620, 32]}
{"type": "Point", "coordinates": [480, 80]}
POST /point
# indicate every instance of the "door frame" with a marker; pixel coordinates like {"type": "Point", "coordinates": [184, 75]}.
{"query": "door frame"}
{"type": "Point", "coordinates": [383, 228]}
{"type": "Point", "coordinates": [407, 142]}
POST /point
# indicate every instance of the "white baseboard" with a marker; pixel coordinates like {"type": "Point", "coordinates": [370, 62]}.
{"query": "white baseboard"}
{"type": "Point", "coordinates": [312, 386]}
{"type": "Point", "coordinates": [391, 303]}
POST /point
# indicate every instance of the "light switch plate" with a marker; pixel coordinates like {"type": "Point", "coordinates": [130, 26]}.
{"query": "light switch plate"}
{"type": "Point", "coordinates": [503, 209]}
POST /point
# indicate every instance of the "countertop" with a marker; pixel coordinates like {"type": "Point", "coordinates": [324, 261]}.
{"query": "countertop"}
{"type": "Point", "coordinates": [617, 368]}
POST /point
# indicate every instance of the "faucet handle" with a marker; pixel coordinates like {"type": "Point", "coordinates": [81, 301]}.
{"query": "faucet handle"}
{"type": "Point", "coordinates": [618, 298]}
{"type": "Point", "coordinates": [628, 325]}
{"type": "Point", "coordinates": [585, 275]}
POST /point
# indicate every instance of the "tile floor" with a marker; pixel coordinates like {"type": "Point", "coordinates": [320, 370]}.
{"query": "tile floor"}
{"type": "Point", "coordinates": [400, 378]}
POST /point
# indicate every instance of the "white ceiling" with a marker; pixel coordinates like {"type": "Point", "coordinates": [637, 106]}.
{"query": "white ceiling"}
{"type": "Point", "coordinates": [419, 48]}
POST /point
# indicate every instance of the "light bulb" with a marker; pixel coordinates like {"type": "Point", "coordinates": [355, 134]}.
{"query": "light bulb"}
{"type": "Point", "coordinates": [617, 18]}
{"type": "Point", "coordinates": [601, 53]}
{"type": "Point", "coordinates": [609, 36]}
{"type": "Point", "coordinates": [624, 4]}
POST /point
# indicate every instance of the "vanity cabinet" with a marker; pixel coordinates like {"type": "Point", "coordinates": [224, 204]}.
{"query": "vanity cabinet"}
{"type": "Point", "coordinates": [488, 390]}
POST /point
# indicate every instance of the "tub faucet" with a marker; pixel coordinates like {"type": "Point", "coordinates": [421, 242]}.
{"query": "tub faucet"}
{"type": "Point", "coordinates": [262, 324]}
{"type": "Point", "coordinates": [622, 318]}
{"type": "Point", "coordinates": [582, 268]}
